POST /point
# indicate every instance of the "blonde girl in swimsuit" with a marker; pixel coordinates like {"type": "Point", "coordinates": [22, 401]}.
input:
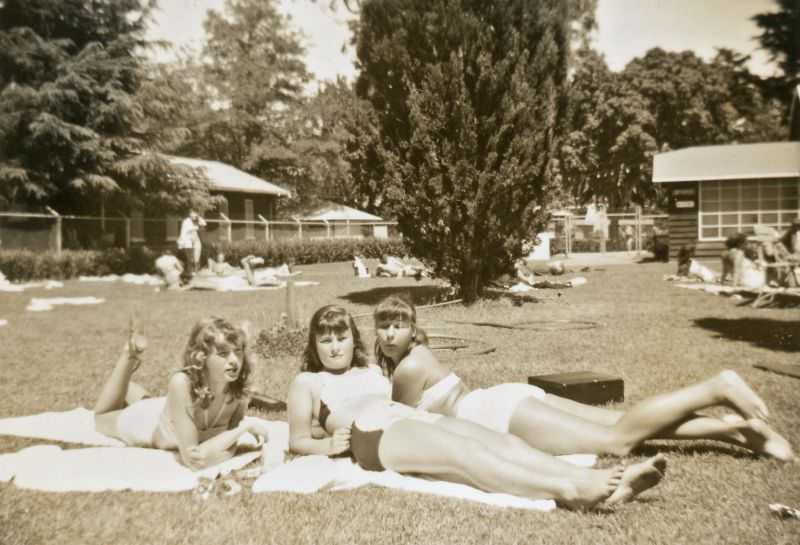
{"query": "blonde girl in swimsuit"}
{"type": "Point", "coordinates": [339, 403]}
{"type": "Point", "coordinates": [202, 414]}
{"type": "Point", "coordinates": [561, 426]}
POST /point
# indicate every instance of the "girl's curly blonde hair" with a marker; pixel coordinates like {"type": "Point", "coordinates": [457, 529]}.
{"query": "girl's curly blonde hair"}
{"type": "Point", "coordinates": [208, 334]}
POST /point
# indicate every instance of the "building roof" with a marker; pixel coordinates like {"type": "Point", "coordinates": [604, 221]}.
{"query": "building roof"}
{"type": "Point", "coordinates": [224, 177]}
{"type": "Point", "coordinates": [340, 212]}
{"type": "Point", "coordinates": [730, 162]}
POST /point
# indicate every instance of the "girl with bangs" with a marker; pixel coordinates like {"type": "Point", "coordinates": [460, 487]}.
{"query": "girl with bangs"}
{"type": "Point", "coordinates": [558, 425]}
{"type": "Point", "coordinates": [202, 414]}
{"type": "Point", "coordinates": [339, 403]}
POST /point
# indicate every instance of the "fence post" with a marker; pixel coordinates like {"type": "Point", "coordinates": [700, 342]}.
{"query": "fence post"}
{"type": "Point", "coordinates": [299, 229]}
{"type": "Point", "coordinates": [327, 228]}
{"type": "Point", "coordinates": [56, 230]}
{"type": "Point", "coordinates": [228, 228]}
{"type": "Point", "coordinates": [127, 231]}
{"type": "Point", "coordinates": [638, 230]}
{"type": "Point", "coordinates": [266, 227]}
{"type": "Point", "coordinates": [567, 235]}
{"type": "Point", "coordinates": [603, 228]}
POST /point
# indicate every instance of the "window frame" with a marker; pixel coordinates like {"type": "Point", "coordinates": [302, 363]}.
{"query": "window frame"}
{"type": "Point", "coordinates": [728, 208]}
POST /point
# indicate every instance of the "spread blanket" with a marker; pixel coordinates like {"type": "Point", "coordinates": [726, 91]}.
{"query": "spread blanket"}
{"type": "Point", "coordinates": [107, 466]}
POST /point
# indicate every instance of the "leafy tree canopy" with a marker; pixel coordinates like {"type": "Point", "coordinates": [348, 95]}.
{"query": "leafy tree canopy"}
{"type": "Point", "coordinates": [661, 101]}
{"type": "Point", "coordinates": [72, 127]}
{"type": "Point", "coordinates": [468, 96]}
{"type": "Point", "coordinates": [780, 37]}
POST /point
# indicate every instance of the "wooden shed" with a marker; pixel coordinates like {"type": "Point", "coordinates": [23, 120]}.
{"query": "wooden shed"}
{"type": "Point", "coordinates": [718, 191]}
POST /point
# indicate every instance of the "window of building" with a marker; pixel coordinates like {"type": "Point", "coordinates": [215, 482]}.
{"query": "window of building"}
{"type": "Point", "coordinates": [736, 206]}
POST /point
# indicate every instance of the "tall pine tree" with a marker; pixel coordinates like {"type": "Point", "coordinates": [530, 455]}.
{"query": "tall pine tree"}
{"type": "Point", "coordinates": [469, 96]}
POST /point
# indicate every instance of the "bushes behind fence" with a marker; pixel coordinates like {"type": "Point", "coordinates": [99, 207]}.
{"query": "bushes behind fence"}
{"type": "Point", "coordinates": [24, 265]}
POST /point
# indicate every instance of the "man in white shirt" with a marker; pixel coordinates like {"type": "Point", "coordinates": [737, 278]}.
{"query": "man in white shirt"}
{"type": "Point", "coordinates": [189, 243]}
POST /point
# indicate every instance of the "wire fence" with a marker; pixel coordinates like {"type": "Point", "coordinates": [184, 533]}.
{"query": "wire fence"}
{"type": "Point", "coordinates": [612, 232]}
{"type": "Point", "coordinates": [53, 231]}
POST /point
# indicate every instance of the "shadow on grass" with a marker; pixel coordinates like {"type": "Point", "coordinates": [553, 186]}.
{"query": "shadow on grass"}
{"type": "Point", "coordinates": [419, 295]}
{"type": "Point", "coordinates": [692, 448]}
{"type": "Point", "coordinates": [778, 335]}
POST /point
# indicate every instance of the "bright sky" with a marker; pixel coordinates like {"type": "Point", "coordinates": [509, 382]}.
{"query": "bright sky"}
{"type": "Point", "coordinates": [627, 28]}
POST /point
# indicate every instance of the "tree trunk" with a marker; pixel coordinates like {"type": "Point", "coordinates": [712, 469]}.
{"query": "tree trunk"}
{"type": "Point", "coordinates": [469, 282]}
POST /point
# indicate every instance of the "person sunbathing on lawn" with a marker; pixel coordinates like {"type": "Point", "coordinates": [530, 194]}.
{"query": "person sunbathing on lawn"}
{"type": "Point", "coordinates": [350, 400]}
{"type": "Point", "coordinates": [558, 425]}
{"type": "Point", "coordinates": [248, 276]}
{"type": "Point", "coordinates": [202, 414]}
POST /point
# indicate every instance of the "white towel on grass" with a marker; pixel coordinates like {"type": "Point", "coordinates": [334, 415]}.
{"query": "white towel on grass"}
{"type": "Point", "coordinates": [109, 465]}
{"type": "Point", "coordinates": [48, 467]}
{"type": "Point", "coordinates": [96, 469]}
{"type": "Point", "coordinates": [47, 303]}
{"type": "Point", "coordinates": [309, 474]}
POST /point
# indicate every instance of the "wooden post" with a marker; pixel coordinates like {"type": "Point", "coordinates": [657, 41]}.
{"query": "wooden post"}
{"type": "Point", "coordinates": [127, 232]}
{"type": "Point", "coordinates": [266, 227]}
{"type": "Point", "coordinates": [327, 229]}
{"type": "Point", "coordinates": [603, 227]}
{"type": "Point", "coordinates": [292, 313]}
{"type": "Point", "coordinates": [299, 229]}
{"type": "Point", "coordinates": [228, 228]}
{"type": "Point", "coordinates": [56, 230]}
{"type": "Point", "coordinates": [638, 230]}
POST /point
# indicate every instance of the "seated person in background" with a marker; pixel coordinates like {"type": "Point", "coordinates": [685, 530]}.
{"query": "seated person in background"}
{"type": "Point", "coordinates": [733, 244]}
{"type": "Point", "coordinates": [685, 255]}
{"type": "Point", "coordinates": [264, 276]}
{"type": "Point", "coordinates": [395, 267]}
{"type": "Point", "coordinates": [170, 269]}
{"type": "Point", "coordinates": [773, 255]}
{"type": "Point", "coordinates": [360, 267]}
{"type": "Point", "coordinates": [790, 240]}
{"type": "Point", "coordinates": [747, 271]}
{"type": "Point", "coordinates": [219, 266]}
{"type": "Point", "coordinates": [527, 270]}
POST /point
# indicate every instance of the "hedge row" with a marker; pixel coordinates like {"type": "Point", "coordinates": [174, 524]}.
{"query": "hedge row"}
{"type": "Point", "coordinates": [24, 265]}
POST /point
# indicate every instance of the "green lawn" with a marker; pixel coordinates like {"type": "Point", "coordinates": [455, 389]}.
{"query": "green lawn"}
{"type": "Point", "coordinates": [657, 337]}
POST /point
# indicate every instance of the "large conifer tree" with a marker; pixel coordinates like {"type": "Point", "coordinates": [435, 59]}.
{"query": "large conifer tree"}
{"type": "Point", "coordinates": [73, 131]}
{"type": "Point", "coordinates": [468, 95]}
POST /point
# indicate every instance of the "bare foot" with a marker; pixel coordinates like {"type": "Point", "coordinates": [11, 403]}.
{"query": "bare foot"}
{"type": "Point", "coordinates": [639, 477]}
{"type": "Point", "coordinates": [760, 438]}
{"type": "Point", "coordinates": [739, 395]}
{"type": "Point", "coordinates": [592, 491]}
{"type": "Point", "coordinates": [136, 345]}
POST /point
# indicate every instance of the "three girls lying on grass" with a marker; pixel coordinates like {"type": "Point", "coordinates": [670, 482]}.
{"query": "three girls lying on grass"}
{"type": "Point", "coordinates": [202, 414]}
{"type": "Point", "coordinates": [350, 400]}
{"type": "Point", "coordinates": [561, 426]}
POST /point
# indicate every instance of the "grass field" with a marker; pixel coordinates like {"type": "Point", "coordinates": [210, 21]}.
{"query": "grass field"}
{"type": "Point", "coordinates": [657, 337]}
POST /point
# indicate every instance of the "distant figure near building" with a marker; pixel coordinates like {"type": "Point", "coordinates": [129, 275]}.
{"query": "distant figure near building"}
{"type": "Point", "coordinates": [189, 243]}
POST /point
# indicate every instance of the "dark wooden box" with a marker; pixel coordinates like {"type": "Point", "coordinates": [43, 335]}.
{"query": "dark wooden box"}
{"type": "Point", "coordinates": [584, 386]}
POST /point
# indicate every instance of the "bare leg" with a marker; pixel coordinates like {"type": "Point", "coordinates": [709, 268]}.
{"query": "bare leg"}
{"type": "Point", "coordinates": [248, 270]}
{"type": "Point", "coordinates": [114, 394]}
{"type": "Point", "coordinates": [440, 453]}
{"type": "Point", "coordinates": [635, 478]}
{"type": "Point", "coordinates": [670, 416]}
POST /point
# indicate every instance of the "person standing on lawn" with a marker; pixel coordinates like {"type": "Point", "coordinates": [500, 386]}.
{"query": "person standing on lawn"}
{"type": "Point", "coordinates": [189, 243]}
{"type": "Point", "coordinates": [202, 414]}
{"type": "Point", "coordinates": [349, 399]}
{"type": "Point", "coordinates": [558, 425]}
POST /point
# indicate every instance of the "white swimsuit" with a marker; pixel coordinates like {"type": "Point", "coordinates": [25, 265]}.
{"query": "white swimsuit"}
{"type": "Point", "coordinates": [491, 407]}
